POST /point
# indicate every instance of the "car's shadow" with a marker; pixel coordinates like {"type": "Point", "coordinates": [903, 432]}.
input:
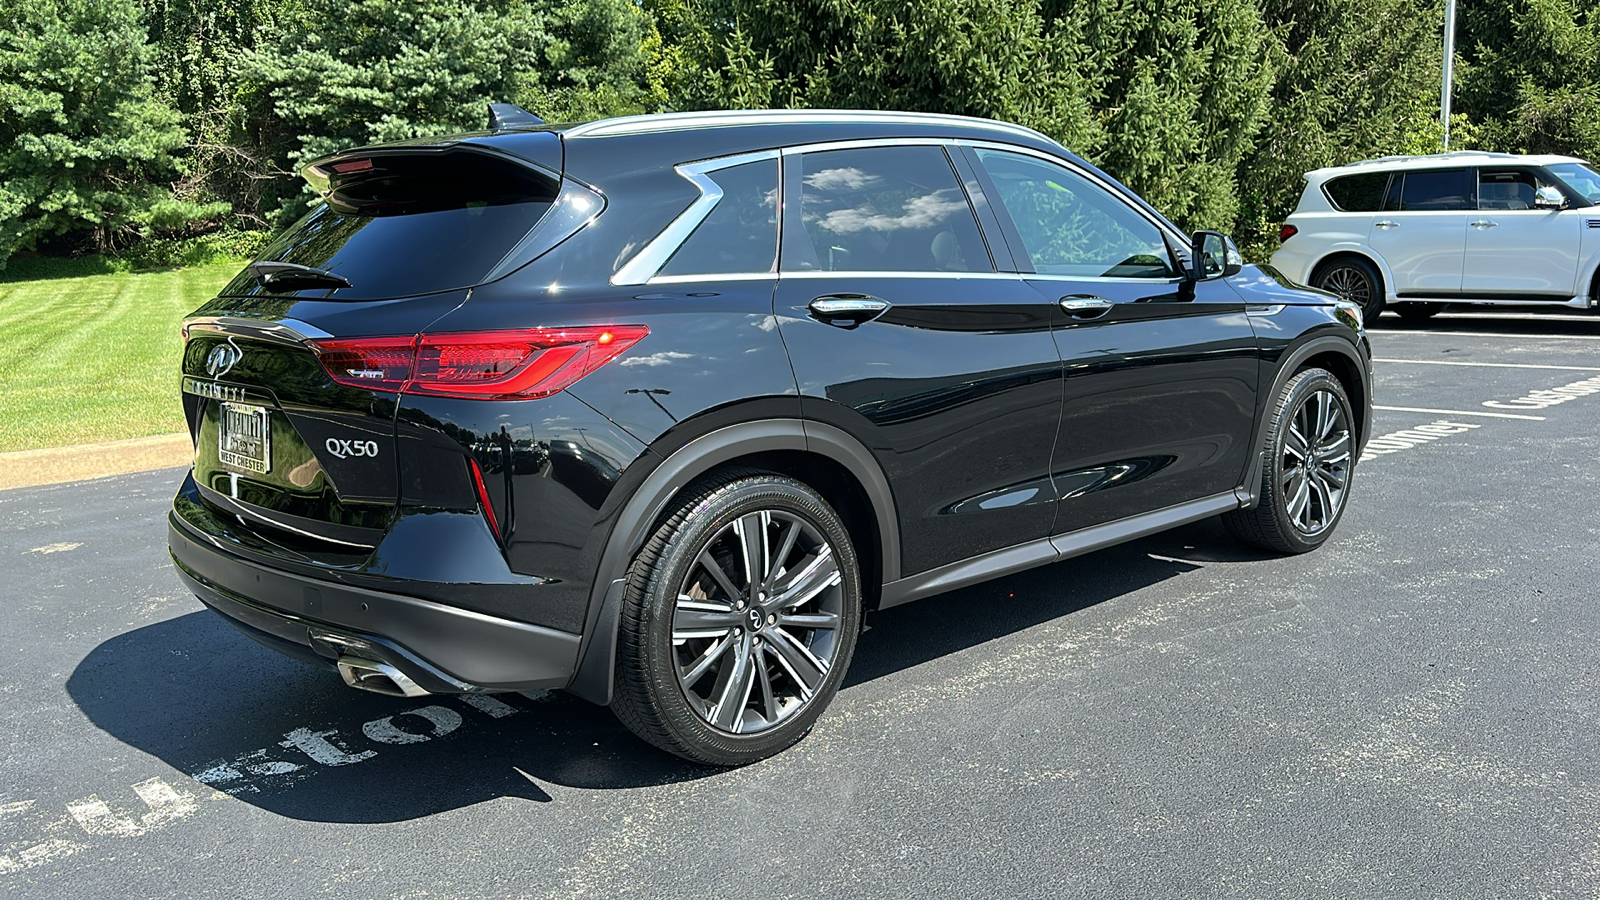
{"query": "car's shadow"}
{"type": "Point", "coordinates": [1508, 320]}
{"type": "Point", "coordinates": [291, 739]}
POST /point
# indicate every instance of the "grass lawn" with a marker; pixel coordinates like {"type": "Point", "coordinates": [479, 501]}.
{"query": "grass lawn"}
{"type": "Point", "coordinates": [95, 358]}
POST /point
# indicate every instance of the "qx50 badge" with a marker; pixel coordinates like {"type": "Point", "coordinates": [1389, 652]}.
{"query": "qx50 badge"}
{"type": "Point", "coordinates": [346, 449]}
{"type": "Point", "coordinates": [222, 358]}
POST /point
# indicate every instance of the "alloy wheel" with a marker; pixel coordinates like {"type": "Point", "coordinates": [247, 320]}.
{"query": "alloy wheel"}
{"type": "Point", "coordinates": [755, 626]}
{"type": "Point", "coordinates": [1350, 283]}
{"type": "Point", "coordinates": [1316, 462]}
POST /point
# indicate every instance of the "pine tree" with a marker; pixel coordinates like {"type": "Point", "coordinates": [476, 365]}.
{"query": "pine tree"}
{"type": "Point", "coordinates": [85, 147]}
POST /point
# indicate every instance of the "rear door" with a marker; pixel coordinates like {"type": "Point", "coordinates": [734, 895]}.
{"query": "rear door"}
{"type": "Point", "coordinates": [947, 370]}
{"type": "Point", "coordinates": [1421, 233]}
{"type": "Point", "coordinates": [1515, 249]}
{"type": "Point", "coordinates": [1160, 374]}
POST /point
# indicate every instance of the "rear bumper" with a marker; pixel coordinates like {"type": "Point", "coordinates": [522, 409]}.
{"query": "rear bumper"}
{"type": "Point", "coordinates": [442, 648]}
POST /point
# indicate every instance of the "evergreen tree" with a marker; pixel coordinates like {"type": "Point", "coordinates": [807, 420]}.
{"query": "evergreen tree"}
{"type": "Point", "coordinates": [197, 47]}
{"type": "Point", "coordinates": [1186, 86]}
{"type": "Point", "coordinates": [347, 73]}
{"type": "Point", "coordinates": [1356, 79]}
{"type": "Point", "coordinates": [1528, 74]}
{"type": "Point", "coordinates": [85, 148]}
{"type": "Point", "coordinates": [988, 58]}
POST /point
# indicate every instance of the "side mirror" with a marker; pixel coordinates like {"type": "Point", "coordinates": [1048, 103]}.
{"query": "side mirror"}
{"type": "Point", "coordinates": [1549, 197]}
{"type": "Point", "coordinates": [1213, 255]}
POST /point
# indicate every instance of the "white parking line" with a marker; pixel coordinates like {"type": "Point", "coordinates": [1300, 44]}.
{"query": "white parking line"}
{"type": "Point", "coordinates": [1491, 334]}
{"type": "Point", "coordinates": [1484, 365]}
{"type": "Point", "coordinates": [1457, 412]}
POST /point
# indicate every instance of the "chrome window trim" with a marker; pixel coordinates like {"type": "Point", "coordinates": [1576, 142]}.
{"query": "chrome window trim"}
{"type": "Point", "coordinates": [644, 265]}
{"type": "Point", "coordinates": [1161, 225]}
{"type": "Point", "coordinates": [696, 120]}
{"type": "Point", "coordinates": [853, 273]}
{"type": "Point", "coordinates": [1107, 279]}
{"type": "Point", "coordinates": [732, 276]}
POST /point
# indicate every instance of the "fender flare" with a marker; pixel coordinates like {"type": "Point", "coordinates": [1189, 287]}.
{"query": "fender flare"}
{"type": "Point", "coordinates": [594, 677]}
{"type": "Point", "coordinates": [1288, 365]}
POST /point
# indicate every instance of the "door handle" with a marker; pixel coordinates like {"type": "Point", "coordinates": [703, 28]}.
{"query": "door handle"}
{"type": "Point", "coordinates": [847, 310]}
{"type": "Point", "coordinates": [1483, 223]}
{"type": "Point", "coordinates": [1386, 223]}
{"type": "Point", "coordinates": [1085, 306]}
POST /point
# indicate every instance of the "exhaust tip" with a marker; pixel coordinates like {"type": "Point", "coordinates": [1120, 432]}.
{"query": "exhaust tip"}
{"type": "Point", "coordinates": [377, 677]}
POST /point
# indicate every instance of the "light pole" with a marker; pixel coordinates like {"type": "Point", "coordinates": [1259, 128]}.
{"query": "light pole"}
{"type": "Point", "coordinates": [1449, 59]}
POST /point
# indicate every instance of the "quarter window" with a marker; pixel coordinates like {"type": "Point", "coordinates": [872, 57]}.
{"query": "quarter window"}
{"type": "Point", "coordinates": [1358, 193]}
{"type": "Point", "coordinates": [885, 209]}
{"type": "Point", "coordinates": [1071, 226]}
{"type": "Point", "coordinates": [741, 233]}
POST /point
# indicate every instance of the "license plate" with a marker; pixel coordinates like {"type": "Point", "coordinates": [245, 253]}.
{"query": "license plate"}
{"type": "Point", "coordinates": [244, 438]}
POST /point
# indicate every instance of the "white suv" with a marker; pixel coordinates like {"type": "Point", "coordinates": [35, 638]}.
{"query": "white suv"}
{"type": "Point", "coordinates": [1418, 232]}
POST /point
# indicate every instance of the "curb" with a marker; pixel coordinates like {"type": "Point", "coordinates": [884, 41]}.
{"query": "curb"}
{"type": "Point", "coordinates": [55, 465]}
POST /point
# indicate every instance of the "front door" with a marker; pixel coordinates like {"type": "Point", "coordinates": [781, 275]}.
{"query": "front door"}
{"type": "Point", "coordinates": [902, 333]}
{"type": "Point", "coordinates": [1515, 249]}
{"type": "Point", "coordinates": [1160, 373]}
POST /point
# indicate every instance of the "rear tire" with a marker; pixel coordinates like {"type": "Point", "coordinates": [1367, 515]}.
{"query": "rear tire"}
{"type": "Point", "coordinates": [1418, 312]}
{"type": "Point", "coordinates": [1310, 460]}
{"type": "Point", "coordinates": [739, 620]}
{"type": "Point", "coordinates": [1354, 279]}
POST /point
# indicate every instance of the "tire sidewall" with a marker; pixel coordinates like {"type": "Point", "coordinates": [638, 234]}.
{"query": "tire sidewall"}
{"type": "Point", "coordinates": [709, 516]}
{"type": "Point", "coordinates": [1299, 388]}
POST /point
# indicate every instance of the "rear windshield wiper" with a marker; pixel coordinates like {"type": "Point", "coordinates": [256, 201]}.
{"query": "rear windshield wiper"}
{"type": "Point", "coordinates": [287, 276]}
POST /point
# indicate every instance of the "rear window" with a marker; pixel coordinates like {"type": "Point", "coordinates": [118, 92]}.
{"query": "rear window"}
{"type": "Point", "coordinates": [417, 223]}
{"type": "Point", "coordinates": [1358, 193]}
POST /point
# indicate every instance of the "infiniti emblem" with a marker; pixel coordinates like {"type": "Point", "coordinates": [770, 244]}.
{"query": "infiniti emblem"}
{"type": "Point", "coordinates": [222, 358]}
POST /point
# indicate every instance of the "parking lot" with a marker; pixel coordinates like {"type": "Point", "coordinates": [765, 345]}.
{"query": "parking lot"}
{"type": "Point", "coordinates": [1411, 711]}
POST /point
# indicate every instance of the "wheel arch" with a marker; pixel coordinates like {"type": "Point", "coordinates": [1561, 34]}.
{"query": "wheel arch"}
{"type": "Point", "coordinates": [1343, 361]}
{"type": "Point", "coordinates": [1356, 251]}
{"type": "Point", "coordinates": [826, 458]}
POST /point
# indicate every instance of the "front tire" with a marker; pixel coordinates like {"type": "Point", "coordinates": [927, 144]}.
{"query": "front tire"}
{"type": "Point", "coordinates": [1355, 280]}
{"type": "Point", "coordinates": [740, 618]}
{"type": "Point", "coordinates": [1310, 449]}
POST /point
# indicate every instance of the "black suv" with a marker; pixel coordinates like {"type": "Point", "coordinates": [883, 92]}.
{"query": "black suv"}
{"type": "Point", "coordinates": [654, 409]}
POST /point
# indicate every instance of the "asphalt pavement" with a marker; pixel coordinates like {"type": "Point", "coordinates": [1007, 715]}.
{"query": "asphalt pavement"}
{"type": "Point", "coordinates": [1410, 711]}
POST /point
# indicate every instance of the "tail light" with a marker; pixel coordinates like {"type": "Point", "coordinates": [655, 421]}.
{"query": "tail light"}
{"type": "Point", "coordinates": [1286, 232]}
{"type": "Point", "coordinates": [522, 364]}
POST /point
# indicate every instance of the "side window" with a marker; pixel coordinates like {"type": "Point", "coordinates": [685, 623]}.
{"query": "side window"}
{"type": "Point", "coordinates": [885, 209]}
{"type": "Point", "coordinates": [741, 233]}
{"type": "Point", "coordinates": [1506, 188]}
{"type": "Point", "coordinates": [1431, 190]}
{"type": "Point", "coordinates": [1358, 193]}
{"type": "Point", "coordinates": [1072, 226]}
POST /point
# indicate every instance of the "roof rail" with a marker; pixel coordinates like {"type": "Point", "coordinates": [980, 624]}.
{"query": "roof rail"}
{"type": "Point", "coordinates": [684, 121]}
{"type": "Point", "coordinates": [1453, 154]}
